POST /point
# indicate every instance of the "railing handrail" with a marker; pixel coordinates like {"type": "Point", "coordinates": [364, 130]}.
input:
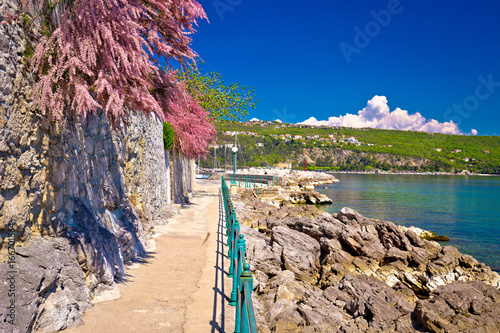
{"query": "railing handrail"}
{"type": "Point", "coordinates": [239, 269]}
{"type": "Point", "coordinates": [251, 180]}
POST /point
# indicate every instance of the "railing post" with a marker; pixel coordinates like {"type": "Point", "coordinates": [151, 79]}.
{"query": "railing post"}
{"type": "Point", "coordinates": [246, 282]}
{"type": "Point", "coordinates": [236, 263]}
{"type": "Point", "coordinates": [241, 248]}
{"type": "Point", "coordinates": [237, 317]}
{"type": "Point", "coordinates": [230, 245]}
{"type": "Point", "coordinates": [233, 247]}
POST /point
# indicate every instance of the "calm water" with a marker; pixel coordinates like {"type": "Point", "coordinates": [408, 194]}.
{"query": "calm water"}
{"type": "Point", "coordinates": [464, 208]}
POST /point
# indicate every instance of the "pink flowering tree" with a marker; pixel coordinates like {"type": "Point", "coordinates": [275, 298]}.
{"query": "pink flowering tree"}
{"type": "Point", "coordinates": [106, 55]}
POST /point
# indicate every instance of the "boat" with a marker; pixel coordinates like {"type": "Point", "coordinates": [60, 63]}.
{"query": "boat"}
{"type": "Point", "coordinates": [198, 175]}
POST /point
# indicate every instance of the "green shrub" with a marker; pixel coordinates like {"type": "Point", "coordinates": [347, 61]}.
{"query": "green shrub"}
{"type": "Point", "coordinates": [168, 136]}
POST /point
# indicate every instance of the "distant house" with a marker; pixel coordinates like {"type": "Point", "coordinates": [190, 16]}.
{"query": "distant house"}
{"type": "Point", "coordinates": [452, 160]}
{"type": "Point", "coordinates": [457, 151]}
{"type": "Point", "coordinates": [285, 165]}
{"type": "Point", "coordinates": [260, 144]}
{"type": "Point", "coordinates": [486, 151]}
{"type": "Point", "coordinates": [352, 139]}
{"type": "Point", "coordinates": [297, 137]}
{"type": "Point", "coordinates": [466, 159]}
{"type": "Point", "coordinates": [438, 149]}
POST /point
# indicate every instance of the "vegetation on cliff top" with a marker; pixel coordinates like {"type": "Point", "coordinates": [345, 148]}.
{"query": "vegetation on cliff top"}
{"type": "Point", "coordinates": [450, 153]}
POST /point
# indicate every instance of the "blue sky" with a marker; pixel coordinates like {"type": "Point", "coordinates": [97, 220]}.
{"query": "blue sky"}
{"type": "Point", "coordinates": [327, 59]}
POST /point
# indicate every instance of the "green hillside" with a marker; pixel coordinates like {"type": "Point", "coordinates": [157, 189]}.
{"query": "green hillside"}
{"type": "Point", "coordinates": [267, 143]}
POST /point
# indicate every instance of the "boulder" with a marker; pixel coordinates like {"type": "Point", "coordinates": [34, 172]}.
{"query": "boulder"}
{"type": "Point", "coordinates": [461, 307]}
{"type": "Point", "coordinates": [262, 252]}
{"type": "Point", "coordinates": [51, 293]}
{"type": "Point", "coordinates": [300, 253]}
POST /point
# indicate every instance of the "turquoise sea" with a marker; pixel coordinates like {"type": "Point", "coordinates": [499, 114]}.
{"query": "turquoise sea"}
{"type": "Point", "coordinates": [464, 208]}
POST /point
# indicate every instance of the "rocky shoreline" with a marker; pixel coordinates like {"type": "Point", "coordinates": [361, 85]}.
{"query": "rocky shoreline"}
{"type": "Point", "coordinates": [294, 180]}
{"type": "Point", "coordinates": [343, 272]}
{"type": "Point", "coordinates": [438, 173]}
{"type": "Point", "coordinates": [277, 196]}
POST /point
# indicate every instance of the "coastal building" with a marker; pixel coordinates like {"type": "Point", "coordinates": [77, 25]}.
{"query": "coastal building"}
{"type": "Point", "coordinates": [438, 149]}
{"type": "Point", "coordinates": [285, 165]}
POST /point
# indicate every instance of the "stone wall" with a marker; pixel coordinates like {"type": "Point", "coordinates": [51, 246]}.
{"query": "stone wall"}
{"type": "Point", "coordinates": [146, 157]}
{"type": "Point", "coordinates": [77, 200]}
{"type": "Point", "coordinates": [183, 178]}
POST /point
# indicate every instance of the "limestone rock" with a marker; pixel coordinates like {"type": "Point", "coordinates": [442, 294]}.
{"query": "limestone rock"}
{"type": "Point", "coordinates": [51, 293]}
{"type": "Point", "coordinates": [263, 253]}
{"type": "Point", "coordinates": [300, 252]}
{"type": "Point", "coordinates": [371, 273]}
{"type": "Point", "coordinates": [461, 307]}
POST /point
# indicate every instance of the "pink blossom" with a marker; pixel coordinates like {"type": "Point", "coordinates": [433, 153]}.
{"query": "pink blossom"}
{"type": "Point", "coordinates": [106, 54]}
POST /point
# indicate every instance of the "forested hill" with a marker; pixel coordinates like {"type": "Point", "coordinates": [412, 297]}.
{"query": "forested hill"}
{"type": "Point", "coordinates": [268, 143]}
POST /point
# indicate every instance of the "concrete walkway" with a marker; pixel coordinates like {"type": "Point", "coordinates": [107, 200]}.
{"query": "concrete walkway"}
{"type": "Point", "coordinates": [178, 287]}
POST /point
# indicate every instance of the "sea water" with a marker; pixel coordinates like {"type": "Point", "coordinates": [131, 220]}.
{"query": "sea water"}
{"type": "Point", "coordinates": [464, 208]}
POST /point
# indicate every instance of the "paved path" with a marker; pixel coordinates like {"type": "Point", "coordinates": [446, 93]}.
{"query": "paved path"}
{"type": "Point", "coordinates": [178, 287]}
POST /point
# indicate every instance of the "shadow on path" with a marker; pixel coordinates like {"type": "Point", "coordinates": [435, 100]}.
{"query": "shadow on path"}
{"type": "Point", "coordinates": [219, 275]}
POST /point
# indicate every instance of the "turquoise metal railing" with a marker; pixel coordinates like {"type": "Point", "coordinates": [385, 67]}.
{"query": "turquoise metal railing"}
{"type": "Point", "coordinates": [250, 181]}
{"type": "Point", "coordinates": [239, 269]}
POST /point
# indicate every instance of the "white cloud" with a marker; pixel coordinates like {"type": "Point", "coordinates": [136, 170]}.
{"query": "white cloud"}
{"type": "Point", "coordinates": [377, 114]}
{"type": "Point", "coordinates": [278, 121]}
{"type": "Point", "coordinates": [473, 132]}
{"type": "Point", "coordinates": [254, 119]}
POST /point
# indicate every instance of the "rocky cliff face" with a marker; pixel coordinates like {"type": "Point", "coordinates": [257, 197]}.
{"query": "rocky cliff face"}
{"type": "Point", "coordinates": [317, 272]}
{"type": "Point", "coordinates": [77, 200]}
{"type": "Point", "coordinates": [342, 157]}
